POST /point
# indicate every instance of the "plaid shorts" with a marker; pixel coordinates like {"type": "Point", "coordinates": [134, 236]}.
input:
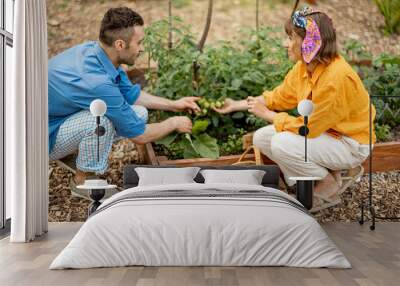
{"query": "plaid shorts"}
{"type": "Point", "coordinates": [77, 133]}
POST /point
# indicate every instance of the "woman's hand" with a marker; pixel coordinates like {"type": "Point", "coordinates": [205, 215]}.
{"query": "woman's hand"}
{"type": "Point", "coordinates": [259, 109]}
{"type": "Point", "coordinates": [231, 105]}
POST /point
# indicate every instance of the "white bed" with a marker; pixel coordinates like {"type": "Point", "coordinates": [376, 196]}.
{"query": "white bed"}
{"type": "Point", "coordinates": [249, 225]}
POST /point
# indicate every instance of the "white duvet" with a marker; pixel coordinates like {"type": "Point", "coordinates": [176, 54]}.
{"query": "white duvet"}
{"type": "Point", "coordinates": [190, 231]}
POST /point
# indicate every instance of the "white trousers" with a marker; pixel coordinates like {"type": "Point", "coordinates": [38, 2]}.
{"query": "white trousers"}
{"type": "Point", "coordinates": [323, 153]}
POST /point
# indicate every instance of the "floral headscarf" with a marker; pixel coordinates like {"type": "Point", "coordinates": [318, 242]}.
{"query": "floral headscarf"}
{"type": "Point", "coordinates": [312, 41]}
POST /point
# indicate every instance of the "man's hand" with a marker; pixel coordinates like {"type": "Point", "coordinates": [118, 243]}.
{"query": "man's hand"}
{"type": "Point", "coordinates": [259, 109]}
{"type": "Point", "coordinates": [186, 103]}
{"type": "Point", "coordinates": [182, 124]}
{"type": "Point", "coordinates": [231, 105]}
{"type": "Point", "coordinates": [155, 131]}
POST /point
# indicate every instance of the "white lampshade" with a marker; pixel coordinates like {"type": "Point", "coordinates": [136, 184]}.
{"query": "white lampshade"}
{"type": "Point", "coordinates": [98, 107]}
{"type": "Point", "coordinates": [305, 107]}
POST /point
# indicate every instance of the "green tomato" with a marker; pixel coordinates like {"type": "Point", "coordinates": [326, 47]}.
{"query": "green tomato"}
{"type": "Point", "coordinates": [212, 105]}
{"type": "Point", "coordinates": [204, 111]}
{"type": "Point", "coordinates": [218, 104]}
{"type": "Point", "coordinates": [206, 104]}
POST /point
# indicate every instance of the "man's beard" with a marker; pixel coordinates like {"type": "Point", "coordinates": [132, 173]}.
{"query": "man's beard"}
{"type": "Point", "coordinates": [129, 62]}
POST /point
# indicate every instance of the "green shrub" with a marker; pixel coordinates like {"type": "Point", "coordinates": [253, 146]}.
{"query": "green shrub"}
{"type": "Point", "coordinates": [383, 132]}
{"type": "Point", "coordinates": [355, 51]}
{"type": "Point", "coordinates": [390, 9]}
{"type": "Point", "coordinates": [383, 80]}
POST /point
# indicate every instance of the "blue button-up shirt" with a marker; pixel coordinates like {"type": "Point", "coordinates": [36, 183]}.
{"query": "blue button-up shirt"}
{"type": "Point", "coordinates": [83, 73]}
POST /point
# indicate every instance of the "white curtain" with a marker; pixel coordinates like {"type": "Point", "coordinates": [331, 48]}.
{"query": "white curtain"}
{"type": "Point", "coordinates": [27, 124]}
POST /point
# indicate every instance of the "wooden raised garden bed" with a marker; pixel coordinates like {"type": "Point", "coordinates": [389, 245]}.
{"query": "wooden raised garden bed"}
{"type": "Point", "coordinates": [386, 157]}
{"type": "Point", "coordinates": [149, 157]}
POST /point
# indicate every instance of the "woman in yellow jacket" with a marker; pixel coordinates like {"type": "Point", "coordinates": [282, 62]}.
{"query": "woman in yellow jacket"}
{"type": "Point", "coordinates": [339, 125]}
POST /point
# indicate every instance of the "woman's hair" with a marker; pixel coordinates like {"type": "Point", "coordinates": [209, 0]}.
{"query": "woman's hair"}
{"type": "Point", "coordinates": [329, 48]}
{"type": "Point", "coordinates": [118, 24]}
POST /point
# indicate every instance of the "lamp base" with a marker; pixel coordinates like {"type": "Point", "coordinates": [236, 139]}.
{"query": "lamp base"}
{"type": "Point", "coordinates": [96, 195]}
{"type": "Point", "coordinates": [303, 131]}
{"type": "Point", "coordinates": [304, 190]}
{"type": "Point", "coordinates": [304, 193]}
{"type": "Point", "coordinates": [100, 130]}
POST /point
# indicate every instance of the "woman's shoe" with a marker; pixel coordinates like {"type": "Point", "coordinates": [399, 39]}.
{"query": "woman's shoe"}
{"type": "Point", "coordinates": [320, 202]}
{"type": "Point", "coordinates": [353, 175]}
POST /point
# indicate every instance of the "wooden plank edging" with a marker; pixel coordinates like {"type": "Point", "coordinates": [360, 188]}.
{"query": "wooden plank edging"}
{"type": "Point", "coordinates": [147, 154]}
{"type": "Point", "coordinates": [385, 157]}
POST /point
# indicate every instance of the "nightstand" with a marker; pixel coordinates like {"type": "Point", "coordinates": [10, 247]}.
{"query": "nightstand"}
{"type": "Point", "coordinates": [304, 190]}
{"type": "Point", "coordinates": [97, 189]}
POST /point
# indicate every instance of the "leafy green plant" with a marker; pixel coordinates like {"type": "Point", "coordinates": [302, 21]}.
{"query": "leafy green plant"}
{"type": "Point", "coordinates": [383, 132]}
{"type": "Point", "coordinates": [355, 51]}
{"type": "Point", "coordinates": [383, 80]}
{"type": "Point", "coordinates": [233, 144]}
{"type": "Point", "coordinates": [194, 145]}
{"type": "Point", "coordinates": [255, 62]}
{"type": "Point", "coordinates": [390, 9]}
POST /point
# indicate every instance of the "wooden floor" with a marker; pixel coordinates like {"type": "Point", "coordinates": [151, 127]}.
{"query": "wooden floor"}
{"type": "Point", "coordinates": [375, 257]}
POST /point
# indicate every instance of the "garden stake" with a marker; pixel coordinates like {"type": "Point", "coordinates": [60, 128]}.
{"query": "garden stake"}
{"type": "Point", "coordinates": [257, 15]}
{"type": "Point", "coordinates": [170, 24]}
{"type": "Point", "coordinates": [296, 4]}
{"type": "Point", "coordinates": [200, 47]}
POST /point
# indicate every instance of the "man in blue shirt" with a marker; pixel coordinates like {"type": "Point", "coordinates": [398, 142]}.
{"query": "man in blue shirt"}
{"type": "Point", "coordinates": [91, 71]}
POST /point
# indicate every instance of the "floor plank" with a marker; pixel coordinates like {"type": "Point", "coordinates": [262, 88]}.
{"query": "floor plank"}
{"type": "Point", "coordinates": [375, 257]}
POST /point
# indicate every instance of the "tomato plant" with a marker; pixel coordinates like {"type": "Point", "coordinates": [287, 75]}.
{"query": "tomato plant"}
{"type": "Point", "coordinates": [254, 62]}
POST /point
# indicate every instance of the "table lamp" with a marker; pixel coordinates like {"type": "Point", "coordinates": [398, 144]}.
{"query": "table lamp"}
{"type": "Point", "coordinates": [97, 187]}
{"type": "Point", "coordinates": [305, 185]}
{"type": "Point", "coordinates": [305, 108]}
{"type": "Point", "coordinates": [98, 108]}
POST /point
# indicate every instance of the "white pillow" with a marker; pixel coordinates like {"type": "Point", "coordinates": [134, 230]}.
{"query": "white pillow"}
{"type": "Point", "coordinates": [248, 177]}
{"type": "Point", "coordinates": [164, 176]}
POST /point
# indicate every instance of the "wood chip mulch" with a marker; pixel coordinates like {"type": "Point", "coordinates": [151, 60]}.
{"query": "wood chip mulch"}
{"type": "Point", "coordinates": [63, 207]}
{"type": "Point", "coordinates": [386, 199]}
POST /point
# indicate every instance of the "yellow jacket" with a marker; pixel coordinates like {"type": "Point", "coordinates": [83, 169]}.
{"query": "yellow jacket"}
{"type": "Point", "coordinates": [341, 102]}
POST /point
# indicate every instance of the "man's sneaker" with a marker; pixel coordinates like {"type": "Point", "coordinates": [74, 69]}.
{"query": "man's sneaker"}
{"type": "Point", "coordinates": [68, 162]}
{"type": "Point", "coordinates": [80, 193]}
